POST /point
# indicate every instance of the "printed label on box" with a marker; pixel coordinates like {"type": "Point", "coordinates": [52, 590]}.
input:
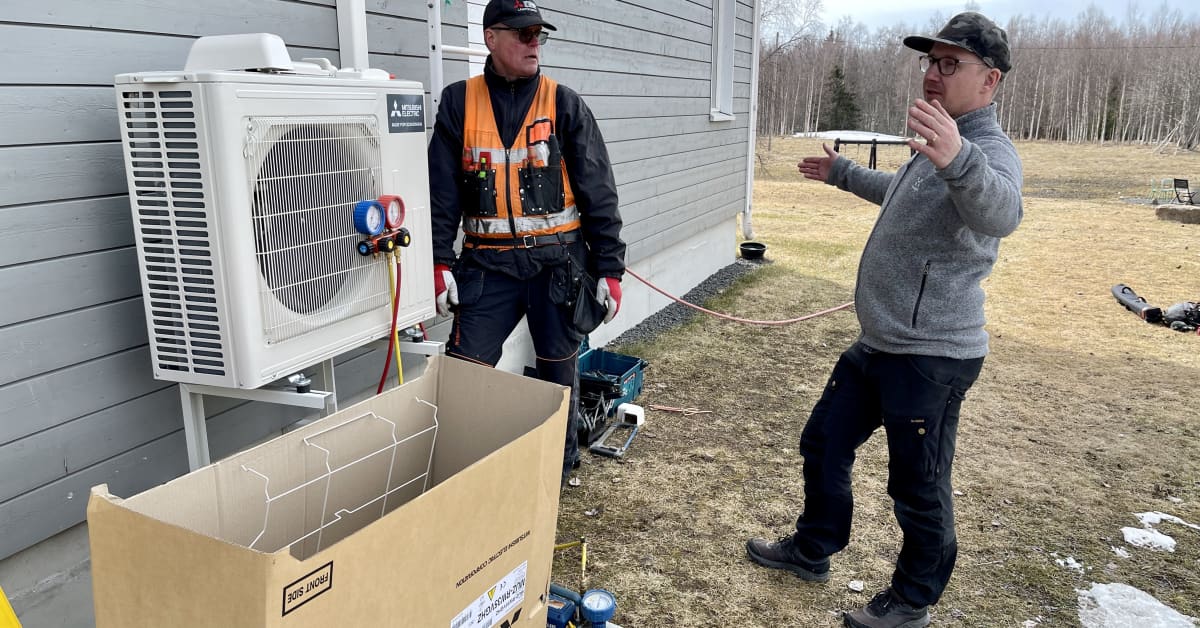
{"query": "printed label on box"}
{"type": "Point", "coordinates": [496, 602]}
{"type": "Point", "coordinates": [300, 592]}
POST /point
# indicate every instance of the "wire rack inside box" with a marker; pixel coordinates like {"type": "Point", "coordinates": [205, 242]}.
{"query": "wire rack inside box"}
{"type": "Point", "coordinates": [347, 477]}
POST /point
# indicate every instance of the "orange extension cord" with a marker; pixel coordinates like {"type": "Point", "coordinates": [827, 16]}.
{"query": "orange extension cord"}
{"type": "Point", "coordinates": [735, 318]}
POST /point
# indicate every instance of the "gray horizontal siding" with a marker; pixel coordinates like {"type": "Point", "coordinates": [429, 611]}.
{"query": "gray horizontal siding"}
{"type": "Point", "coordinates": [61, 502]}
{"type": "Point", "coordinates": [39, 403]}
{"type": "Point", "coordinates": [38, 346]}
{"type": "Point", "coordinates": [69, 283]}
{"type": "Point", "coordinates": [72, 56]}
{"type": "Point", "coordinates": [40, 173]}
{"type": "Point", "coordinates": [300, 24]}
{"type": "Point", "coordinates": [35, 114]}
{"type": "Point", "coordinates": [79, 226]}
{"type": "Point", "coordinates": [678, 173]}
{"type": "Point", "coordinates": [78, 404]}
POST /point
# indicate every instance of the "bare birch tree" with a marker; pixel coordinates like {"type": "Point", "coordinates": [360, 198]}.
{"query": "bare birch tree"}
{"type": "Point", "coordinates": [1090, 79]}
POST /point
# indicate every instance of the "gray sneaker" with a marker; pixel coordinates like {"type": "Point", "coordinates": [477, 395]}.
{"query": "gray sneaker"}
{"type": "Point", "coordinates": [885, 610]}
{"type": "Point", "coordinates": [782, 554]}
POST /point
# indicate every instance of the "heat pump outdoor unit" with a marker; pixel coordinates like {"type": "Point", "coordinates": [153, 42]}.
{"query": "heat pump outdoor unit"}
{"type": "Point", "coordinates": [245, 172]}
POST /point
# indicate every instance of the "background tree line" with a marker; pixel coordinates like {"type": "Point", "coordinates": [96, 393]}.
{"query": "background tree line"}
{"type": "Point", "coordinates": [1091, 79]}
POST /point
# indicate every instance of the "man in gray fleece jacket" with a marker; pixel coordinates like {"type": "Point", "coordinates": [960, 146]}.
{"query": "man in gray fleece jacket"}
{"type": "Point", "coordinates": [920, 306]}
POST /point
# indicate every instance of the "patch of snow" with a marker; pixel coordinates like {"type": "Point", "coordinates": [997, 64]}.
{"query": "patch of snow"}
{"type": "Point", "coordinates": [1149, 539]}
{"type": "Point", "coordinates": [856, 136]}
{"type": "Point", "coordinates": [1149, 519]}
{"type": "Point", "coordinates": [1032, 623]}
{"type": "Point", "coordinates": [1120, 551]}
{"type": "Point", "coordinates": [1070, 563]}
{"type": "Point", "coordinates": [1174, 500]}
{"type": "Point", "coordinates": [1121, 606]}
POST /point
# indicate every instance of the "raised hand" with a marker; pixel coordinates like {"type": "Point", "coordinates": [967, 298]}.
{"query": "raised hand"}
{"type": "Point", "coordinates": [817, 168]}
{"type": "Point", "coordinates": [930, 121]}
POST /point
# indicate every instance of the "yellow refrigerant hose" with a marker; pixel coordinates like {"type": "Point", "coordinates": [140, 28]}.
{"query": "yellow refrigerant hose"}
{"type": "Point", "coordinates": [393, 262]}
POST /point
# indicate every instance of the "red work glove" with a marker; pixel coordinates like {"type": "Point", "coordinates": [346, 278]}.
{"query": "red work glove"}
{"type": "Point", "coordinates": [445, 290]}
{"type": "Point", "coordinates": [608, 290]}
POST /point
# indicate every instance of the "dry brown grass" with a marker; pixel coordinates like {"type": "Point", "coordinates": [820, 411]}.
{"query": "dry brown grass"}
{"type": "Point", "coordinates": [1083, 416]}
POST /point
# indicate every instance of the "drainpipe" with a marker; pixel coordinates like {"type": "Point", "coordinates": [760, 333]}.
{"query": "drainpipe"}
{"type": "Point", "coordinates": [747, 227]}
{"type": "Point", "coordinates": [434, 20]}
{"type": "Point", "coordinates": [352, 34]}
{"type": "Point", "coordinates": [437, 51]}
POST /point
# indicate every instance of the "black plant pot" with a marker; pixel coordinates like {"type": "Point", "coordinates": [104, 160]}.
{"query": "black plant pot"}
{"type": "Point", "coordinates": [753, 250]}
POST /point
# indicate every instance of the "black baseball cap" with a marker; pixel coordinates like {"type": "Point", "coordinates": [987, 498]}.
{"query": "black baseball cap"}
{"type": "Point", "coordinates": [514, 14]}
{"type": "Point", "coordinates": [973, 32]}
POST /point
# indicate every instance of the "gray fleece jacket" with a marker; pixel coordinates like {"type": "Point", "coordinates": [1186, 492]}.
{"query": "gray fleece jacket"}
{"type": "Point", "coordinates": [935, 240]}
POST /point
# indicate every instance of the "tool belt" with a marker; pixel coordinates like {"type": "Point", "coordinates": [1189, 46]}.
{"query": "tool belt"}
{"type": "Point", "coordinates": [525, 242]}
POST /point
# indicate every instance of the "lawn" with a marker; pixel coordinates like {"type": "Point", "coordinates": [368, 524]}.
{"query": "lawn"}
{"type": "Point", "coordinates": [1084, 415]}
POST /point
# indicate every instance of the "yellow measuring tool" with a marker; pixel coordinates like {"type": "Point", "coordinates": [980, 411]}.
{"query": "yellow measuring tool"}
{"type": "Point", "coordinates": [8, 619]}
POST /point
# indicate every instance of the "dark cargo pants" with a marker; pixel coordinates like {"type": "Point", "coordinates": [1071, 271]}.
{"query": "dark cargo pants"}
{"type": "Point", "coordinates": [491, 304]}
{"type": "Point", "coordinates": [916, 399]}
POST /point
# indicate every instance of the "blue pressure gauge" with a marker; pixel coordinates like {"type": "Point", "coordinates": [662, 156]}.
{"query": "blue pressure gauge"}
{"type": "Point", "coordinates": [369, 218]}
{"type": "Point", "coordinates": [598, 606]}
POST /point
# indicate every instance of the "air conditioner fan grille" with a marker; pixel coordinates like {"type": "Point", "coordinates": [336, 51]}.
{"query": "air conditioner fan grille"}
{"type": "Point", "coordinates": [306, 176]}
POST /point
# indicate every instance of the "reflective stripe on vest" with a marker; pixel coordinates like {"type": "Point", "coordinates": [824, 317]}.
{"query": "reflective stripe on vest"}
{"type": "Point", "coordinates": [481, 138]}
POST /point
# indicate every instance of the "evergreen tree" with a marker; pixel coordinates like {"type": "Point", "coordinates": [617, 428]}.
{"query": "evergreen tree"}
{"type": "Point", "coordinates": [844, 114]}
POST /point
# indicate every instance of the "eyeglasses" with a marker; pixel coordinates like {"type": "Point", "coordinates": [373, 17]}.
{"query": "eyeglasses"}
{"type": "Point", "coordinates": [527, 35]}
{"type": "Point", "coordinates": [946, 65]}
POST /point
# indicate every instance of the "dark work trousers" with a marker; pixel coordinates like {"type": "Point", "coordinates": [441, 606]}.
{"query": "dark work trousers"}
{"type": "Point", "coordinates": [916, 399]}
{"type": "Point", "coordinates": [490, 304]}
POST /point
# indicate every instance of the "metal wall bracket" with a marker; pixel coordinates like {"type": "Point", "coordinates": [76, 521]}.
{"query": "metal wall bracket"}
{"type": "Point", "coordinates": [195, 429]}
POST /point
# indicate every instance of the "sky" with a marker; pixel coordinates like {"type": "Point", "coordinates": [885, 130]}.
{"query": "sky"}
{"type": "Point", "coordinates": [875, 13]}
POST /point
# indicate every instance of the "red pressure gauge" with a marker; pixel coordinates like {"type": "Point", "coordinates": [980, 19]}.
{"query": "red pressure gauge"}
{"type": "Point", "coordinates": [393, 207]}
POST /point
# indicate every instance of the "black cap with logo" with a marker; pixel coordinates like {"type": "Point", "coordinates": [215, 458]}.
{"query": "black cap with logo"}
{"type": "Point", "coordinates": [970, 31]}
{"type": "Point", "coordinates": [514, 14]}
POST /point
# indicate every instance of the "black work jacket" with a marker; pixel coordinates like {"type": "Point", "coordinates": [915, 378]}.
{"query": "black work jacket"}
{"type": "Point", "coordinates": [588, 170]}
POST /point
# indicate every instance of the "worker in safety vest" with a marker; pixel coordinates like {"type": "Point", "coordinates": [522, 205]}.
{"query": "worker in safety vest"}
{"type": "Point", "coordinates": [517, 161]}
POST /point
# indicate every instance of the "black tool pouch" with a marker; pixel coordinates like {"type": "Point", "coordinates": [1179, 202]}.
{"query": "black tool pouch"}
{"type": "Point", "coordinates": [543, 185]}
{"type": "Point", "coordinates": [575, 290]}
{"type": "Point", "coordinates": [477, 193]}
{"type": "Point", "coordinates": [589, 312]}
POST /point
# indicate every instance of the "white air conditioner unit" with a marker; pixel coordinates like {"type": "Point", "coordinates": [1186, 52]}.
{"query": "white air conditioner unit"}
{"type": "Point", "coordinates": [243, 186]}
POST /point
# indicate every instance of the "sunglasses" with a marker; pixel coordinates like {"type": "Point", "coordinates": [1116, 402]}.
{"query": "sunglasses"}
{"type": "Point", "coordinates": [527, 35]}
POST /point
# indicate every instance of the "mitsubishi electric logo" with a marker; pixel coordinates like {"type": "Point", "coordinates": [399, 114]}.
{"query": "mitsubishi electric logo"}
{"type": "Point", "coordinates": [406, 113]}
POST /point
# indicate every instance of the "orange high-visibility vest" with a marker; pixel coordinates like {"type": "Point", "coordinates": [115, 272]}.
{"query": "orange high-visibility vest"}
{"type": "Point", "coordinates": [515, 192]}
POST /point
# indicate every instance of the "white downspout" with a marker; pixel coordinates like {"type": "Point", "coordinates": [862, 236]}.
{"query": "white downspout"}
{"type": "Point", "coordinates": [352, 34]}
{"type": "Point", "coordinates": [747, 227]}
{"type": "Point", "coordinates": [437, 79]}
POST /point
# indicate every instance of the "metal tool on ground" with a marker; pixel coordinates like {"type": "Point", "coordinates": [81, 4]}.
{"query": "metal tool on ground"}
{"type": "Point", "coordinates": [683, 411]}
{"type": "Point", "coordinates": [630, 417]}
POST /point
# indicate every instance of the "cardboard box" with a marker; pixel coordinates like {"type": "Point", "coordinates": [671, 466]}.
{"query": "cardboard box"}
{"type": "Point", "coordinates": [328, 525]}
